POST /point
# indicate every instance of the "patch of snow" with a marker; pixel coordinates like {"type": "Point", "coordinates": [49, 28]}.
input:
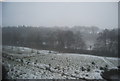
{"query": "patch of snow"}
{"type": "Point", "coordinates": [49, 65]}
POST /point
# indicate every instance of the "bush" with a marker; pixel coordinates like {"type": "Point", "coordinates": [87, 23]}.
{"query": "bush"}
{"type": "Point", "coordinates": [86, 74]}
{"type": "Point", "coordinates": [93, 63]}
{"type": "Point", "coordinates": [101, 68]}
{"type": "Point", "coordinates": [88, 69]}
{"type": "Point", "coordinates": [82, 68]}
{"type": "Point", "coordinates": [106, 66]}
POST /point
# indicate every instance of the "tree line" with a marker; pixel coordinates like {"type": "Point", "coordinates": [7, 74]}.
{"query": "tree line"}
{"type": "Point", "coordinates": [62, 39]}
{"type": "Point", "coordinates": [42, 37]}
{"type": "Point", "coordinates": [107, 42]}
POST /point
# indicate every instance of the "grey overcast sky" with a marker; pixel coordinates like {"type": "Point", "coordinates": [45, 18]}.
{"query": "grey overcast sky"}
{"type": "Point", "coordinates": [101, 14]}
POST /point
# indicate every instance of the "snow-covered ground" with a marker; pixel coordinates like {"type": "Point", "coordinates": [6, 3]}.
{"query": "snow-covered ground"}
{"type": "Point", "coordinates": [26, 63]}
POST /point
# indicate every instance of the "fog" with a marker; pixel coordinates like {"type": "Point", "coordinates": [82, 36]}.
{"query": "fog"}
{"type": "Point", "coordinates": [49, 14]}
{"type": "Point", "coordinates": [60, 40]}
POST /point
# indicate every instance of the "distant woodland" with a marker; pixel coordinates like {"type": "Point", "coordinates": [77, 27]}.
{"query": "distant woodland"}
{"type": "Point", "coordinates": [78, 39]}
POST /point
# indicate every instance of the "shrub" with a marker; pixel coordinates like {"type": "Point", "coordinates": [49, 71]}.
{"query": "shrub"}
{"type": "Point", "coordinates": [86, 74]}
{"type": "Point", "coordinates": [88, 69]}
{"type": "Point", "coordinates": [93, 63]}
{"type": "Point", "coordinates": [101, 68]}
{"type": "Point", "coordinates": [82, 68]}
{"type": "Point", "coordinates": [21, 60]}
{"type": "Point", "coordinates": [76, 72]}
{"type": "Point", "coordinates": [106, 66]}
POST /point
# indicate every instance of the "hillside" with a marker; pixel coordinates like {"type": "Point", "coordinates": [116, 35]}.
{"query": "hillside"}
{"type": "Point", "coordinates": [27, 63]}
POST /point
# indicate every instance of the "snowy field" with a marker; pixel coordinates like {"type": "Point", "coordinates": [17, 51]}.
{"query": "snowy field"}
{"type": "Point", "coordinates": [26, 63]}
